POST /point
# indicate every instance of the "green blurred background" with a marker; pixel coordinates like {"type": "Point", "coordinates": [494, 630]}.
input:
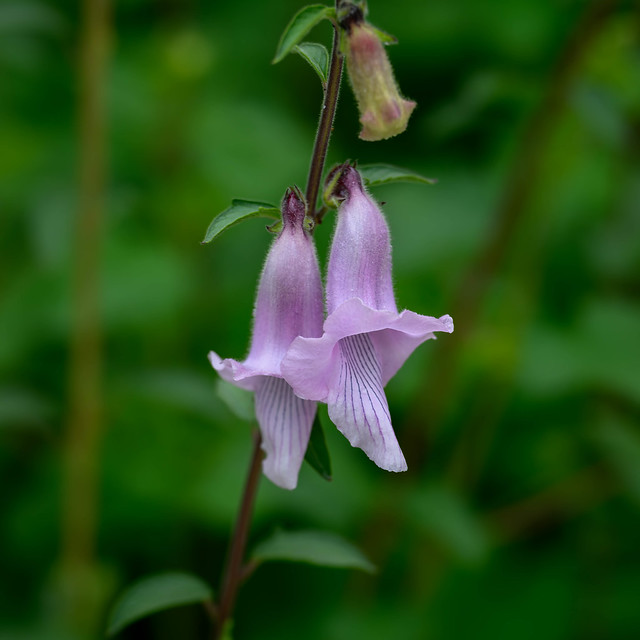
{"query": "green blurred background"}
{"type": "Point", "coordinates": [519, 515]}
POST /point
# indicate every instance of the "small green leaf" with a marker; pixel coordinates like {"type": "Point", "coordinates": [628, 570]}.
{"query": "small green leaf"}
{"type": "Point", "coordinates": [317, 454]}
{"type": "Point", "coordinates": [300, 25]}
{"type": "Point", "coordinates": [318, 57]}
{"type": "Point", "coordinates": [156, 593]}
{"type": "Point", "coordinates": [238, 401]}
{"type": "Point", "coordinates": [276, 227]}
{"type": "Point", "coordinates": [377, 174]}
{"type": "Point", "coordinates": [238, 211]}
{"type": "Point", "coordinates": [312, 547]}
{"type": "Point", "coordinates": [385, 38]}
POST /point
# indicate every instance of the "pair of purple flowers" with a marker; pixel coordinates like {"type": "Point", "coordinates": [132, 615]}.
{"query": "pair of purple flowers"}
{"type": "Point", "coordinates": [296, 361]}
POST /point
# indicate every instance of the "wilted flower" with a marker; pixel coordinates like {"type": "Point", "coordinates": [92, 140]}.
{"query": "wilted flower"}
{"type": "Point", "coordinates": [365, 339]}
{"type": "Point", "coordinates": [384, 113]}
{"type": "Point", "coordinates": [288, 305]}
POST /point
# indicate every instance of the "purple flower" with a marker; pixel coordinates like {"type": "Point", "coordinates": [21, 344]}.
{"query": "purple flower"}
{"type": "Point", "coordinates": [288, 305]}
{"type": "Point", "coordinates": [365, 339]}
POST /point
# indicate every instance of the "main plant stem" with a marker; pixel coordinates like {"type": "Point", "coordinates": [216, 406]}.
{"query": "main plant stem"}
{"type": "Point", "coordinates": [233, 571]}
{"type": "Point", "coordinates": [325, 126]}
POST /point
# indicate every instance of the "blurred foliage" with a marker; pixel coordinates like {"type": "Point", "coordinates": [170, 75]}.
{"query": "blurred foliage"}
{"type": "Point", "coordinates": [518, 517]}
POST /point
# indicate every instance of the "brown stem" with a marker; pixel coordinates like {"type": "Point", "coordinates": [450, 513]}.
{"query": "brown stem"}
{"type": "Point", "coordinates": [325, 126]}
{"type": "Point", "coordinates": [574, 495]}
{"type": "Point", "coordinates": [82, 437]}
{"type": "Point", "coordinates": [234, 569]}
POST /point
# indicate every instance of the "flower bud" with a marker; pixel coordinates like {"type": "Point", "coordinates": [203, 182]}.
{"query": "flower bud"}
{"type": "Point", "coordinates": [384, 113]}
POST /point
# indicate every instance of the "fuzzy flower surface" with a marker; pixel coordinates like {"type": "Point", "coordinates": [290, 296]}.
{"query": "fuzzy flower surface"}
{"type": "Point", "coordinates": [384, 113]}
{"type": "Point", "coordinates": [288, 305]}
{"type": "Point", "coordinates": [365, 339]}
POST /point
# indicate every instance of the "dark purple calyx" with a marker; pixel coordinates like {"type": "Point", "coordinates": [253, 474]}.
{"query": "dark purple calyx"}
{"type": "Point", "coordinates": [343, 181]}
{"type": "Point", "coordinates": [293, 208]}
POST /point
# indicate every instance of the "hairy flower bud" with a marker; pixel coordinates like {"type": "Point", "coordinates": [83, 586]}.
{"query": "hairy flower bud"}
{"type": "Point", "coordinates": [384, 113]}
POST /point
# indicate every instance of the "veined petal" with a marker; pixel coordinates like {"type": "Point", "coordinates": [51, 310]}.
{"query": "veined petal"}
{"type": "Point", "coordinates": [310, 363]}
{"type": "Point", "coordinates": [285, 422]}
{"type": "Point", "coordinates": [358, 406]}
{"type": "Point", "coordinates": [395, 344]}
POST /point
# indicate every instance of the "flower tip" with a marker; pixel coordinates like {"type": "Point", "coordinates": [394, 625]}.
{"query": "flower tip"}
{"type": "Point", "coordinates": [215, 360]}
{"type": "Point", "coordinates": [293, 207]}
{"type": "Point", "coordinates": [341, 182]}
{"type": "Point", "coordinates": [282, 479]}
{"type": "Point", "coordinates": [389, 121]}
{"type": "Point", "coordinates": [447, 322]}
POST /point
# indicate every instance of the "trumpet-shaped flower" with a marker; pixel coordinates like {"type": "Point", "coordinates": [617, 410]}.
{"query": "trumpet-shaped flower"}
{"type": "Point", "coordinates": [384, 113]}
{"type": "Point", "coordinates": [365, 340]}
{"type": "Point", "coordinates": [288, 305]}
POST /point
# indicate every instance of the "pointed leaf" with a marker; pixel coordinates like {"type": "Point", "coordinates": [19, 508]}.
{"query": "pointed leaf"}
{"type": "Point", "coordinates": [318, 57]}
{"type": "Point", "coordinates": [312, 547]}
{"type": "Point", "coordinates": [238, 211]}
{"type": "Point", "coordinates": [377, 174]}
{"type": "Point", "coordinates": [156, 593]}
{"type": "Point", "coordinates": [238, 401]}
{"type": "Point", "coordinates": [385, 38]}
{"type": "Point", "coordinates": [317, 454]}
{"type": "Point", "coordinates": [276, 227]}
{"type": "Point", "coordinates": [300, 25]}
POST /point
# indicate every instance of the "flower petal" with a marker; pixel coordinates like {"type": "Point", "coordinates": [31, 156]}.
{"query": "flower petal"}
{"type": "Point", "coordinates": [285, 422]}
{"type": "Point", "coordinates": [358, 406]}
{"type": "Point", "coordinates": [236, 372]}
{"type": "Point", "coordinates": [310, 363]}
{"type": "Point", "coordinates": [308, 366]}
{"type": "Point", "coordinates": [395, 344]}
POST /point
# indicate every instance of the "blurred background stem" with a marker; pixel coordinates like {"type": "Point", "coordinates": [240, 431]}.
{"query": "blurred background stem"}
{"type": "Point", "coordinates": [521, 186]}
{"type": "Point", "coordinates": [85, 410]}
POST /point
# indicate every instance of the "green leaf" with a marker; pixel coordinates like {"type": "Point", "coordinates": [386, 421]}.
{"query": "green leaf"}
{"type": "Point", "coordinates": [238, 401]}
{"type": "Point", "coordinates": [276, 227]}
{"type": "Point", "coordinates": [300, 25]}
{"type": "Point", "coordinates": [317, 454]}
{"type": "Point", "coordinates": [155, 593]}
{"type": "Point", "coordinates": [385, 38]}
{"type": "Point", "coordinates": [377, 174]}
{"type": "Point", "coordinates": [318, 57]}
{"type": "Point", "coordinates": [312, 547]}
{"type": "Point", "coordinates": [238, 211]}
